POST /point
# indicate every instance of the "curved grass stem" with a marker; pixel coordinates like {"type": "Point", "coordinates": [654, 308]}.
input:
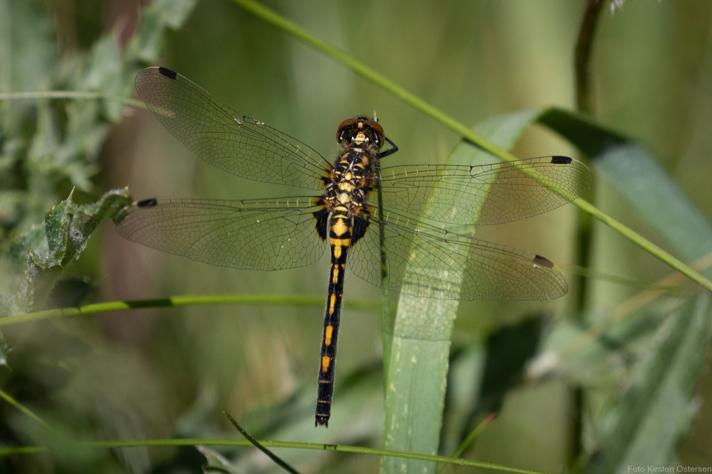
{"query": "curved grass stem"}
{"type": "Point", "coordinates": [69, 95]}
{"type": "Point", "coordinates": [131, 443]}
{"type": "Point", "coordinates": [461, 129]}
{"type": "Point", "coordinates": [22, 408]}
{"type": "Point", "coordinates": [178, 300]}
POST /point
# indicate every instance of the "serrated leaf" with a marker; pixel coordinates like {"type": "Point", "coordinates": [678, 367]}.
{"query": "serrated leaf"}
{"type": "Point", "coordinates": [50, 248]}
{"type": "Point", "coordinates": [105, 73]}
{"type": "Point", "coordinates": [158, 16]}
{"type": "Point", "coordinates": [26, 45]}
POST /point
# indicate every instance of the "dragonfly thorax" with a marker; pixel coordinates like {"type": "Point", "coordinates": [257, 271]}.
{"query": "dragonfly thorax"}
{"type": "Point", "coordinates": [350, 182]}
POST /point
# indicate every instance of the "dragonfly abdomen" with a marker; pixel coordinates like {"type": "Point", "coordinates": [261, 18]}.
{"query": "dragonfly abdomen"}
{"type": "Point", "coordinates": [346, 217]}
{"type": "Point", "coordinates": [339, 241]}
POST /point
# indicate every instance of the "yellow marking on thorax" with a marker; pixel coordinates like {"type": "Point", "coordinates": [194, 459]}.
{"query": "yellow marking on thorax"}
{"type": "Point", "coordinates": [325, 363]}
{"type": "Point", "coordinates": [344, 198]}
{"type": "Point", "coordinates": [346, 186]}
{"type": "Point", "coordinates": [332, 304]}
{"type": "Point", "coordinates": [328, 333]}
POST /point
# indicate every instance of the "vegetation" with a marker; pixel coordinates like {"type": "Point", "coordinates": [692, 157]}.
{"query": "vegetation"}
{"type": "Point", "coordinates": [114, 358]}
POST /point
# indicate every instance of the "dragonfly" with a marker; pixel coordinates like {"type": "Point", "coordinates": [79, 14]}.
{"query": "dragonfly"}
{"type": "Point", "coordinates": [339, 211]}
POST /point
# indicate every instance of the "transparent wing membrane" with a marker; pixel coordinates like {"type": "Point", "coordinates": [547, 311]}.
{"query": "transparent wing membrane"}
{"type": "Point", "coordinates": [269, 234]}
{"type": "Point", "coordinates": [255, 234]}
{"type": "Point", "coordinates": [236, 144]}
{"type": "Point", "coordinates": [502, 192]}
{"type": "Point", "coordinates": [431, 262]}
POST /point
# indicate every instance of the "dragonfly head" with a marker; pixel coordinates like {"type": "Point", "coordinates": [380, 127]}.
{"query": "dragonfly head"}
{"type": "Point", "coordinates": [360, 130]}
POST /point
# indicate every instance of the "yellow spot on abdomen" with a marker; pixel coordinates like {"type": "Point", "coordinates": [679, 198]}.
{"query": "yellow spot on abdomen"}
{"type": "Point", "coordinates": [340, 242]}
{"type": "Point", "coordinates": [328, 332]}
{"type": "Point", "coordinates": [325, 363]}
{"type": "Point", "coordinates": [339, 228]}
{"type": "Point", "coordinates": [335, 274]}
{"type": "Point", "coordinates": [332, 303]}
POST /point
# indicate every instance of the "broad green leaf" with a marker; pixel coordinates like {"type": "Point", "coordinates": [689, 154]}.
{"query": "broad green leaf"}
{"type": "Point", "coordinates": [463, 395]}
{"type": "Point", "coordinates": [418, 366]}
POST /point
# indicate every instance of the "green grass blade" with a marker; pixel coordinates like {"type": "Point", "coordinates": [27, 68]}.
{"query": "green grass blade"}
{"type": "Point", "coordinates": [420, 348]}
{"type": "Point", "coordinates": [22, 408]}
{"type": "Point", "coordinates": [271, 455]}
{"type": "Point", "coordinates": [339, 448]}
{"type": "Point", "coordinates": [644, 427]}
{"type": "Point", "coordinates": [176, 301]}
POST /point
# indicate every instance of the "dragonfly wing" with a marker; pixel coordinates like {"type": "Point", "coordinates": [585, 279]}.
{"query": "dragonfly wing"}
{"type": "Point", "coordinates": [432, 262]}
{"type": "Point", "coordinates": [254, 234]}
{"type": "Point", "coordinates": [483, 194]}
{"type": "Point", "coordinates": [215, 134]}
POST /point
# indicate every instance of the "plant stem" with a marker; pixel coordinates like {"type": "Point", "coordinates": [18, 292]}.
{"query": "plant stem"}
{"type": "Point", "coordinates": [131, 443]}
{"type": "Point", "coordinates": [453, 124]}
{"type": "Point", "coordinates": [179, 300]}
{"type": "Point", "coordinates": [26, 411]}
{"type": "Point", "coordinates": [582, 55]}
{"type": "Point", "coordinates": [68, 95]}
{"type": "Point", "coordinates": [277, 460]}
{"type": "Point", "coordinates": [584, 104]}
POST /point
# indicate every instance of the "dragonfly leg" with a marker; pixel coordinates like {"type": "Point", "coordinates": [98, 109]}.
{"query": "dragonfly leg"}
{"type": "Point", "coordinates": [390, 151]}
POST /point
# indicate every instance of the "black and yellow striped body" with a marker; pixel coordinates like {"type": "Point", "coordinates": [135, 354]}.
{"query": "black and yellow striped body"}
{"type": "Point", "coordinates": [342, 222]}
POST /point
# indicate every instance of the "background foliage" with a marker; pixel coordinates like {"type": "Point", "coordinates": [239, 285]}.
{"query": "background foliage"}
{"type": "Point", "coordinates": [616, 374]}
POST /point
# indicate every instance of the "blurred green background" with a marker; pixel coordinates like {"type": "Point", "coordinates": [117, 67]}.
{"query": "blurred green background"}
{"type": "Point", "coordinates": [170, 372]}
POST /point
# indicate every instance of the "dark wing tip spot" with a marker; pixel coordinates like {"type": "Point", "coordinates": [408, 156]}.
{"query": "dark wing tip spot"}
{"type": "Point", "coordinates": [542, 262]}
{"type": "Point", "coordinates": [561, 160]}
{"type": "Point", "coordinates": [167, 72]}
{"type": "Point", "coordinates": [151, 202]}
